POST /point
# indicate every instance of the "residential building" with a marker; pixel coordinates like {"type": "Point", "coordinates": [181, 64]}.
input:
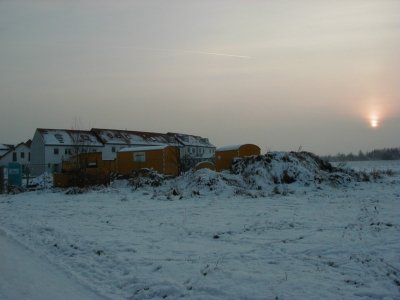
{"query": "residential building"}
{"type": "Point", "coordinates": [194, 149]}
{"type": "Point", "coordinates": [20, 153]}
{"type": "Point", "coordinates": [51, 146]}
{"type": "Point", "coordinates": [115, 140]}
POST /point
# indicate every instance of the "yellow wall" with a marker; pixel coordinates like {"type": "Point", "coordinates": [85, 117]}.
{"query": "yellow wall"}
{"type": "Point", "coordinates": [224, 159]}
{"type": "Point", "coordinates": [92, 162]}
{"type": "Point", "coordinates": [165, 161]}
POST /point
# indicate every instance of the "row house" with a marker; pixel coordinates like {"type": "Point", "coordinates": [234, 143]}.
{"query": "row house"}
{"type": "Point", "coordinates": [52, 146]}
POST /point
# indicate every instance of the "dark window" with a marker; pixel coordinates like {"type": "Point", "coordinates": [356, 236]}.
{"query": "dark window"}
{"type": "Point", "coordinates": [56, 151]}
{"type": "Point", "coordinates": [91, 164]}
{"type": "Point", "coordinates": [113, 149]}
{"type": "Point", "coordinates": [14, 156]}
{"type": "Point", "coordinates": [29, 156]}
{"type": "Point", "coordinates": [22, 154]}
{"type": "Point", "coordinates": [139, 156]}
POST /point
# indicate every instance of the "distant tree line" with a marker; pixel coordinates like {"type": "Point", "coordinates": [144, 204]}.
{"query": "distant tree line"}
{"type": "Point", "coordinates": [378, 154]}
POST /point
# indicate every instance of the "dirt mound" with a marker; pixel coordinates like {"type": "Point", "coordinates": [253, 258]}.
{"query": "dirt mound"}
{"type": "Point", "coordinates": [261, 175]}
{"type": "Point", "coordinates": [287, 168]}
{"type": "Point", "coordinates": [202, 182]}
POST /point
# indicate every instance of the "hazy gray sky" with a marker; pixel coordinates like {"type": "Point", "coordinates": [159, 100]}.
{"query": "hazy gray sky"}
{"type": "Point", "coordinates": [281, 74]}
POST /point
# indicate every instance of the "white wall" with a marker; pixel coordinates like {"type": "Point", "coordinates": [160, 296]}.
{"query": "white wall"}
{"type": "Point", "coordinates": [22, 160]}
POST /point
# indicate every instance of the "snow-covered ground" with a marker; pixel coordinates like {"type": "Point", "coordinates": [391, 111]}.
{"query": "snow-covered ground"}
{"type": "Point", "coordinates": [297, 241]}
{"type": "Point", "coordinates": [24, 275]}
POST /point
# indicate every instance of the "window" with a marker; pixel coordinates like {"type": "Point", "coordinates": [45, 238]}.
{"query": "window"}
{"type": "Point", "coordinates": [29, 156]}
{"type": "Point", "coordinates": [22, 154]}
{"type": "Point", "coordinates": [56, 152]}
{"type": "Point", "coordinates": [113, 149]}
{"type": "Point", "coordinates": [91, 164]}
{"type": "Point", "coordinates": [14, 156]}
{"type": "Point", "coordinates": [139, 156]}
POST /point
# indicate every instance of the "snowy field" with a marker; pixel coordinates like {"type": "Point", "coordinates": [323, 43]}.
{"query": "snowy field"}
{"type": "Point", "coordinates": [315, 241]}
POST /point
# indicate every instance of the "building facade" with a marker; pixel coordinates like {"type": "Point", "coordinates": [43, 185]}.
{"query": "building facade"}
{"type": "Point", "coordinates": [50, 147]}
{"type": "Point", "coordinates": [20, 153]}
{"type": "Point", "coordinates": [194, 149]}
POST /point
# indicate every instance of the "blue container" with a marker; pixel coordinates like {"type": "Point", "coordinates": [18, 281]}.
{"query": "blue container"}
{"type": "Point", "coordinates": [14, 174]}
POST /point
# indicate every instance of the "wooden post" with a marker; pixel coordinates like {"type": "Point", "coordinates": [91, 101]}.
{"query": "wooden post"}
{"type": "Point", "coordinates": [1, 180]}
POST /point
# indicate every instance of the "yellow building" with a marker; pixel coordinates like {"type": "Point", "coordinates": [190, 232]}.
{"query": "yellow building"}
{"type": "Point", "coordinates": [163, 159]}
{"type": "Point", "coordinates": [224, 156]}
{"type": "Point", "coordinates": [84, 169]}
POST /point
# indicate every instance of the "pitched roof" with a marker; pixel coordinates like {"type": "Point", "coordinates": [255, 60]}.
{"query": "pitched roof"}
{"type": "Point", "coordinates": [129, 137]}
{"type": "Point", "coordinates": [5, 149]}
{"type": "Point", "coordinates": [68, 137]}
{"type": "Point", "coordinates": [5, 146]}
{"type": "Point", "coordinates": [191, 140]}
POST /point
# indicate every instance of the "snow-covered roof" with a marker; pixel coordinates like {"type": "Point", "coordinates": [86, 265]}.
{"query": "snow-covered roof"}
{"type": "Point", "coordinates": [66, 137]}
{"type": "Point", "coordinates": [5, 148]}
{"type": "Point", "coordinates": [148, 148]}
{"type": "Point", "coordinates": [127, 137]}
{"type": "Point", "coordinates": [231, 147]}
{"type": "Point", "coordinates": [191, 140]}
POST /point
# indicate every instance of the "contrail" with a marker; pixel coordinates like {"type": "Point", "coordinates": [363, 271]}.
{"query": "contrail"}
{"type": "Point", "coordinates": [216, 53]}
{"type": "Point", "coordinates": [195, 52]}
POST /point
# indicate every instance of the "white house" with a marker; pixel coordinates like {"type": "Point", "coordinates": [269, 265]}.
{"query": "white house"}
{"type": "Point", "coordinates": [194, 149]}
{"type": "Point", "coordinates": [21, 153]}
{"type": "Point", "coordinates": [51, 146]}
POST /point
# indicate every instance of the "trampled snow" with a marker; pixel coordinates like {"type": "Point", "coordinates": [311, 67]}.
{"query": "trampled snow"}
{"type": "Point", "coordinates": [208, 235]}
{"type": "Point", "coordinates": [25, 276]}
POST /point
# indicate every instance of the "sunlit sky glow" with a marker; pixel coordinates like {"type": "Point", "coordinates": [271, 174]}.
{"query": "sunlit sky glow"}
{"type": "Point", "coordinates": [323, 75]}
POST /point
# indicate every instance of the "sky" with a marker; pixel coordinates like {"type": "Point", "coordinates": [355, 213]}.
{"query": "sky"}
{"type": "Point", "coordinates": [318, 75]}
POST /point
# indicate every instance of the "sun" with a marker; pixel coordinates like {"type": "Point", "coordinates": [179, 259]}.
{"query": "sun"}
{"type": "Point", "coordinates": [374, 120]}
{"type": "Point", "coordinates": [374, 123]}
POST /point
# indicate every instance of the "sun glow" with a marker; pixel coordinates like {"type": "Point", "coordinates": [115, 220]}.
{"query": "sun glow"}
{"type": "Point", "coordinates": [374, 120]}
{"type": "Point", "coordinates": [374, 123]}
{"type": "Point", "coordinates": [375, 112]}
